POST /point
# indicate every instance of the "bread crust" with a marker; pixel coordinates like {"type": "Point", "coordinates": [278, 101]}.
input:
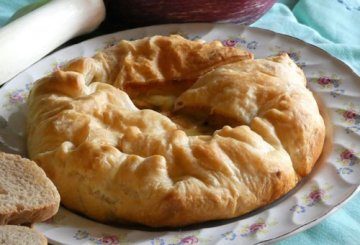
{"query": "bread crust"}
{"type": "Point", "coordinates": [116, 163]}
{"type": "Point", "coordinates": [21, 235]}
{"type": "Point", "coordinates": [17, 208]}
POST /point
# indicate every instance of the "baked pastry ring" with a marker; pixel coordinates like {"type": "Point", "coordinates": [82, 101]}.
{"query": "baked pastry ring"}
{"type": "Point", "coordinates": [164, 131]}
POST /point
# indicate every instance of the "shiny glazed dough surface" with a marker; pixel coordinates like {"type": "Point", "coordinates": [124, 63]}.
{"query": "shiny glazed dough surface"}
{"type": "Point", "coordinates": [165, 131]}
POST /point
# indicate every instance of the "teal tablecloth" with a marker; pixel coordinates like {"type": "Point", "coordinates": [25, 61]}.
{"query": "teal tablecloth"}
{"type": "Point", "coordinates": [333, 25]}
{"type": "Point", "coordinates": [11, 9]}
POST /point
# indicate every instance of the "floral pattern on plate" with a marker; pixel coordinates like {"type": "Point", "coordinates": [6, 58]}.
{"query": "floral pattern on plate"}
{"type": "Point", "coordinates": [240, 42]}
{"type": "Point", "coordinates": [331, 83]}
{"type": "Point", "coordinates": [350, 117]}
{"type": "Point", "coordinates": [294, 54]}
{"type": "Point", "coordinates": [347, 160]}
{"type": "Point", "coordinates": [16, 97]}
{"type": "Point", "coordinates": [261, 226]}
{"type": "Point", "coordinates": [108, 239]}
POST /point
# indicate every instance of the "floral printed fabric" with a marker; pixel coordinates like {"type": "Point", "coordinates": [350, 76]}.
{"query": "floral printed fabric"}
{"type": "Point", "coordinates": [333, 26]}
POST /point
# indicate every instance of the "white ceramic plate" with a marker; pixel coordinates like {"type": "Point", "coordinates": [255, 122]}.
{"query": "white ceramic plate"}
{"type": "Point", "coordinates": [334, 180]}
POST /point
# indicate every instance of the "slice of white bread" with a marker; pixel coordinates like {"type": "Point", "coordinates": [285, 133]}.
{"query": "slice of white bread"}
{"type": "Point", "coordinates": [27, 195]}
{"type": "Point", "coordinates": [20, 235]}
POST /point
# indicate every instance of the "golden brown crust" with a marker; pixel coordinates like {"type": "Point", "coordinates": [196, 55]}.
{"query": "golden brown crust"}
{"type": "Point", "coordinates": [114, 162]}
{"type": "Point", "coordinates": [271, 90]}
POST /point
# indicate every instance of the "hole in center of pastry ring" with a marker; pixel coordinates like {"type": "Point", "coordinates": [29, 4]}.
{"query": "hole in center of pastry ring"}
{"type": "Point", "coordinates": [163, 98]}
